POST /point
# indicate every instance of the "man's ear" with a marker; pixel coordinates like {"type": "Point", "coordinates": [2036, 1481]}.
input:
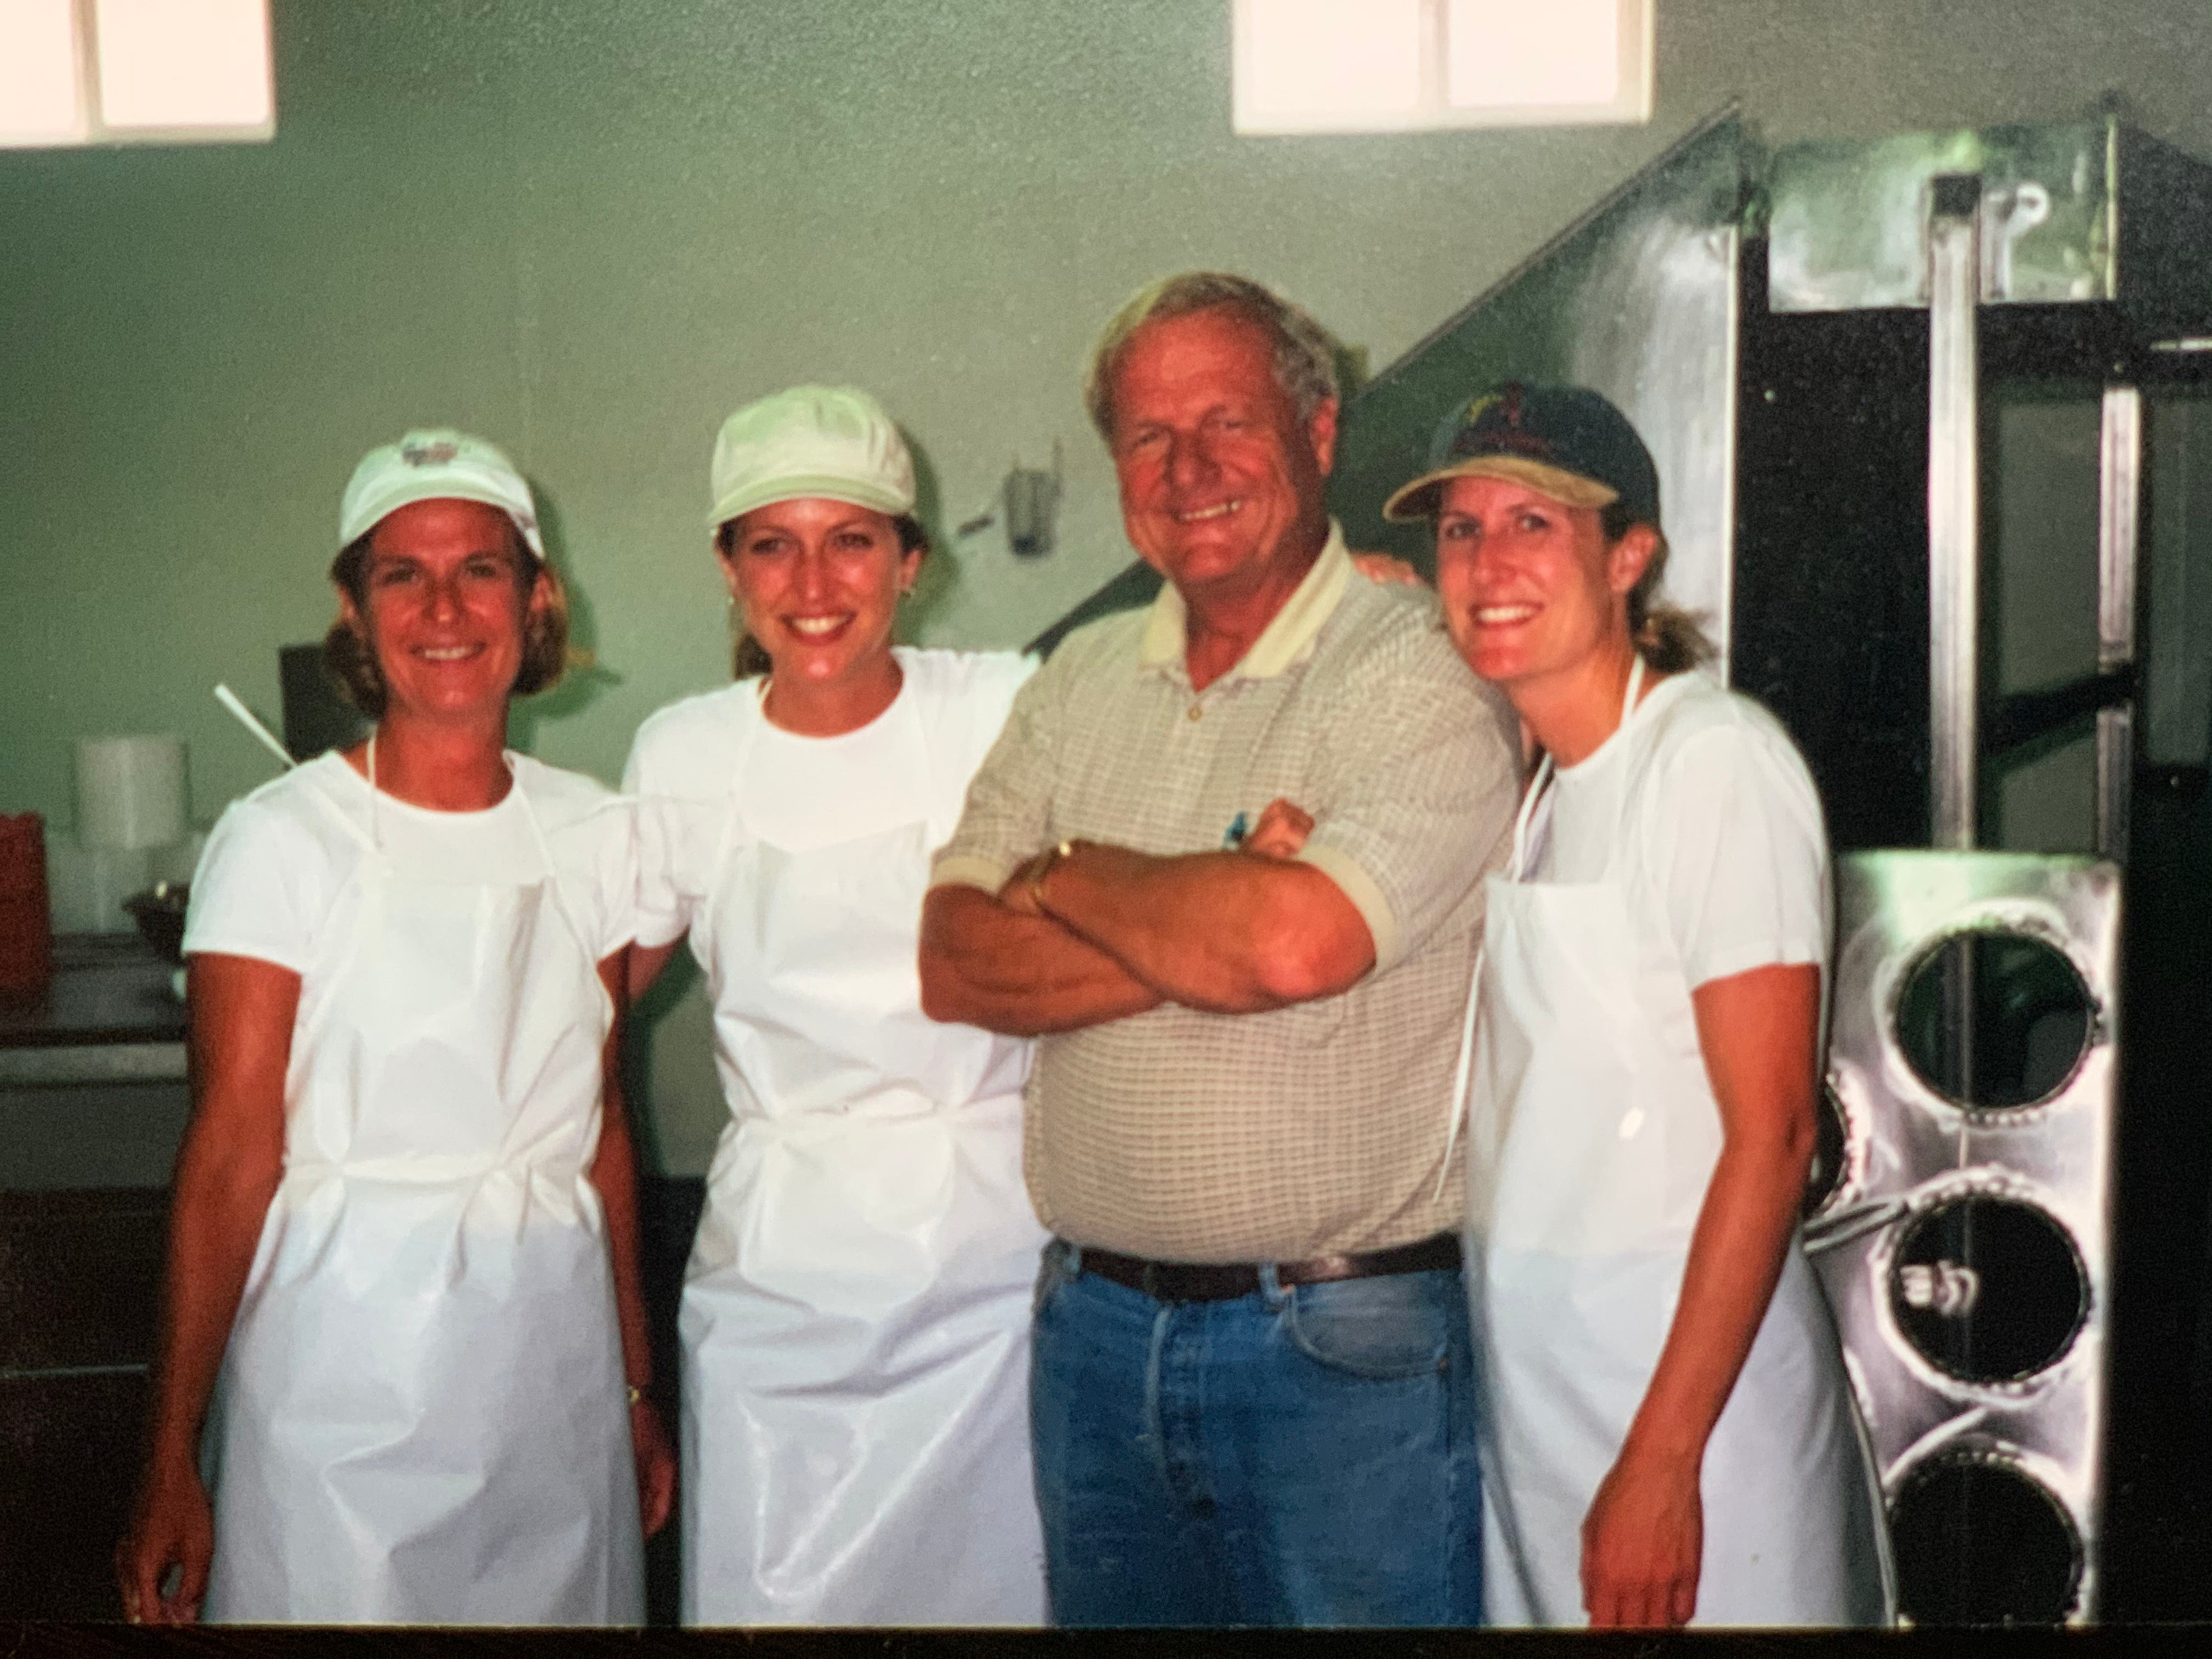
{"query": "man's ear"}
{"type": "Point", "coordinates": [1630, 557]}
{"type": "Point", "coordinates": [1320, 433]}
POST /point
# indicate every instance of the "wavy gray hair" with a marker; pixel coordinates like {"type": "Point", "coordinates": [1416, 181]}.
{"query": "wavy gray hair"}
{"type": "Point", "coordinates": [1305, 354]}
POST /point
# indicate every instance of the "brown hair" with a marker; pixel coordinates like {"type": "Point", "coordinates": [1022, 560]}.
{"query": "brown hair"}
{"type": "Point", "coordinates": [351, 658]}
{"type": "Point", "coordinates": [1666, 637]}
{"type": "Point", "coordinates": [748, 658]}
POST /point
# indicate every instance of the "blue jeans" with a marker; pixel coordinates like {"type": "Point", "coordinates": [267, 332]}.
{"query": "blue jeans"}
{"type": "Point", "coordinates": [1301, 1456]}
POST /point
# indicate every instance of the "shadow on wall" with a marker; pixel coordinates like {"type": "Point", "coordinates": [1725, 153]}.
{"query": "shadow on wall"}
{"type": "Point", "coordinates": [587, 681]}
{"type": "Point", "coordinates": [937, 588]}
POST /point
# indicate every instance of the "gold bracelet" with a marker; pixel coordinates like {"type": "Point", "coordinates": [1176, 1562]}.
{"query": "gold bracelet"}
{"type": "Point", "coordinates": [1065, 849]}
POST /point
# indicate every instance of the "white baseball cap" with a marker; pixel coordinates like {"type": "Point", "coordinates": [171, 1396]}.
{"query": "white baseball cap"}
{"type": "Point", "coordinates": [833, 442]}
{"type": "Point", "coordinates": [435, 464]}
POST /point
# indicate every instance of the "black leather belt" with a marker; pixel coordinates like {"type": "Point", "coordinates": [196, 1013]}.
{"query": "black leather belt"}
{"type": "Point", "coordinates": [1220, 1281]}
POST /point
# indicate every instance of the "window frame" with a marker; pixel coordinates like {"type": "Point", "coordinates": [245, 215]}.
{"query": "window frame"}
{"type": "Point", "coordinates": [93, 130]}
{"type": "Point", "coordinates": [1433, 110]}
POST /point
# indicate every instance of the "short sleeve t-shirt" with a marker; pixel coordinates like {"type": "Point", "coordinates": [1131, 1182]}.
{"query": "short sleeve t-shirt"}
{"type": "Point", "coordinates": [276, 881]}
{"type": "Point", "coordinates": [1701, 805]}
{"type": "Point", "coordinates": [801, 792]}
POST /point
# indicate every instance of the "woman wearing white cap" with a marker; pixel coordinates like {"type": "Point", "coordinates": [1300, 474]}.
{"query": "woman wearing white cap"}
{"type": "Point", "coordinates": [855, 1321]}
{"type": "Point", "coordinates": [404, 1226]}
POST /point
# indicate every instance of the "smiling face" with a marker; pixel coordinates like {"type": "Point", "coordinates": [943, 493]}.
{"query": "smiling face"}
{"type": "Point", "coordinates": [446, 588]}
{"type": "Point", "coordinates": [819, 581]}
{"type": "Point", "coordinates": [1530, 589]}
{"type": "Point", "coordinates": [1221, 482]}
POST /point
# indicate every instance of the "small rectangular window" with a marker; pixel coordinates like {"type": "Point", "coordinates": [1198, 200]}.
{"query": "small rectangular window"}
{"type": "Point", "coordinates": [1404, 65]}
{"type": "Point", "coordinates": [41, 79]}
{"type": "Point", "coordinates": [1324, 62]}
{"type": "Point", "coordinates": [135, 71]}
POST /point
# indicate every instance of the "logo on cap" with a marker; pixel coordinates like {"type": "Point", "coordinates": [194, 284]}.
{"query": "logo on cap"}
{"type": "Point", "coordinates": [431, 455]}
{"type": "Point", "coordinates": [1503, 435]}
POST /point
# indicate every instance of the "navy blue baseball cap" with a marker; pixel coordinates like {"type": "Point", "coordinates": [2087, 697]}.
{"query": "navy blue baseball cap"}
{"type": "Point", "coordinates": [1565, 441]}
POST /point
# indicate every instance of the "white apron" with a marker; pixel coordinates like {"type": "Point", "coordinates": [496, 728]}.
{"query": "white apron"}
{"type": "Point", "coordinates": [1592, 1141]}
{"type": "Point", "coordinates": [422, 1417]}
{"type": "Point", "coordinates": [855, 1321]}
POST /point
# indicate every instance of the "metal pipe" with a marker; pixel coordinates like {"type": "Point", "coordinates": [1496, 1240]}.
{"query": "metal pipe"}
{"type": "Point", "coordinates": [2119, 492]}
{"type": "Point", "coordinates": [1953, 507]}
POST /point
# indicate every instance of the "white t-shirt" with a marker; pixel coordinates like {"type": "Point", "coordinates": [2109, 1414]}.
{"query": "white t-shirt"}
{"type": "Point", "coordinates": [276, 879]}
{"type": "Point", "coordinates": [801, 792]}
{"type": "Point", "coordinates": [1726, 856]}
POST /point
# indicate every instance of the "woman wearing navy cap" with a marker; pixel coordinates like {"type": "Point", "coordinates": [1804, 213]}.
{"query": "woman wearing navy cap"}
{"type": "Point", "coordinates": [1668, 1434]}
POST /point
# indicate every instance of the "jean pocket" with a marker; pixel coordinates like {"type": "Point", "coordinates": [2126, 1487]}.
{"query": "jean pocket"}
{"type": "Point", "coordinates": [1394, 1327]}
{"type": "Point", "coordinates": [1052, 1274]}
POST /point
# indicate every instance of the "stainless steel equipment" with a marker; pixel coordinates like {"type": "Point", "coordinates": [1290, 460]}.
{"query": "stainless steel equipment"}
{"type": "Point", "coordinates": [1962, 1230]}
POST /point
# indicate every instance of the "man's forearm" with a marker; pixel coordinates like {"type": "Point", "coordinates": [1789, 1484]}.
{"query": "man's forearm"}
{"type": "Point", "coordinates": [1229, 933]}
{"type": "Point", "coordinates": [985, 963]}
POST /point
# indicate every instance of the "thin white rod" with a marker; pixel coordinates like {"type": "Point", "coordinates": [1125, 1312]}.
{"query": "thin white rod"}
{"type": "Point", "coordinates": [230, 699]}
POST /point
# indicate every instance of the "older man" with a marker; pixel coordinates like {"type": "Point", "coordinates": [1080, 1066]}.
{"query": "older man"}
{"type": "Point", "coordinates": [1252, 1389]}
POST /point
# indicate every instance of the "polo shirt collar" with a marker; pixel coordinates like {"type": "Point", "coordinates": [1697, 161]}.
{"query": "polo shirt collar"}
{"type": "Point", "coordinates": [1287, 640]}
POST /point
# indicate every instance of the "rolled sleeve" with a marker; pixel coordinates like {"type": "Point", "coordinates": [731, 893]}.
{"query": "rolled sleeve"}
{"type": "Point", "coordinates": [1008, 813]}
{"type": "Point", "coordinates": [968, 870]}
{"type": "Point", "coordinates": [1422, 778]}
{"type": "Point", "coordinates": [1366, 896]}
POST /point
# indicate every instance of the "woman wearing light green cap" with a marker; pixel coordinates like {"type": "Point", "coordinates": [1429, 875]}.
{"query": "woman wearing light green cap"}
{"type": "Point", "coordinates": [403, 1259]}
{"type": "Point", "coordinates": [855, 1319]}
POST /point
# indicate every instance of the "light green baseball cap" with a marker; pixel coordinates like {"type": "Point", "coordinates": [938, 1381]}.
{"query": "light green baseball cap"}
{"type": "Point", "coordinates": [833, 442]}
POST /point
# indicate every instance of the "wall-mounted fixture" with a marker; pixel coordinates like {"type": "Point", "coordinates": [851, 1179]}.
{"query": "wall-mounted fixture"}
{"type": "Point", "coordinates": [1030, 500]}
{"type": "Point", "coordinates": [135, 72]}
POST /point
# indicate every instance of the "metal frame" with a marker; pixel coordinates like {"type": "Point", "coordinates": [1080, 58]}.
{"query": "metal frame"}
{"type": "Point", "coordinates": [1953, 507]}
{"type": "Point", "coordinates": [2119, 512]}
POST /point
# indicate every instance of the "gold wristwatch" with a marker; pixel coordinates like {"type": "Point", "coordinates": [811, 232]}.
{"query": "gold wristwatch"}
{"type": "Point", "coordinates": [1065, 849]}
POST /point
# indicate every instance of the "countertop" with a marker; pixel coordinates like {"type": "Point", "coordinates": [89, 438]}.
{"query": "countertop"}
{"type": "Point", "coordinates": [109, 1016]}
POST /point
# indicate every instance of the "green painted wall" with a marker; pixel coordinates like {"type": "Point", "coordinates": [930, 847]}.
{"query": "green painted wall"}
{"type": "Point", "coordinates": [589, 229]}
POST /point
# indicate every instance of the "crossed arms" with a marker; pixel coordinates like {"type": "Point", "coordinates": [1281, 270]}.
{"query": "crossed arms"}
{"type": "Point", "coordinates": [1100, 933]}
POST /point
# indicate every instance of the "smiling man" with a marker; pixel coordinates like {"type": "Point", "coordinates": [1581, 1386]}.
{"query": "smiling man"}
{"type": "Point", "coordinates": [1252, 1390]}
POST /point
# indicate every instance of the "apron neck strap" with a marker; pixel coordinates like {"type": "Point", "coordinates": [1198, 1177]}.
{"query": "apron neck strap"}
{"type": "Point", "coordinates": [903, 707]}
{"type": "Point", "coordinates": [1518, 865]}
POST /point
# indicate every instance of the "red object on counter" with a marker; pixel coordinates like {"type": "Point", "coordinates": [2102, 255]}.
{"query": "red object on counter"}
{"type": "Point", "coordinates": [27, 933]}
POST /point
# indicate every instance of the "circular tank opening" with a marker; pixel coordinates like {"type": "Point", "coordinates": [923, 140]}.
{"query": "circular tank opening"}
{"type": "Point", "coordinates": [1978, 1541]}
{"type": "Point", "coordinates": [1831, 1152]}
{"type": "Point", "coordinates": [1988, 1289]}
{"type": "Point", "coordinates": [1994, 1021]}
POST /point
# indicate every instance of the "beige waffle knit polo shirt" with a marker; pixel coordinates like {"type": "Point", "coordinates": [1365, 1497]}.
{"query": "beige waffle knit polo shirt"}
{"type": "Point", "coordinates": [1186, 1136]}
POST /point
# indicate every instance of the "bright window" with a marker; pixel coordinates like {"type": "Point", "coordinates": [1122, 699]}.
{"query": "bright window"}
{"type": "Point", "coordinates": [135, 71]}
{"type": "Point", "coordinates": [1399, 65]}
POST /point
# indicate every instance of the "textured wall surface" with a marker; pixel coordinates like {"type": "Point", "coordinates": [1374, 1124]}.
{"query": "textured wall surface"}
{"type": "Point", "coordinates": [590, 230]}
